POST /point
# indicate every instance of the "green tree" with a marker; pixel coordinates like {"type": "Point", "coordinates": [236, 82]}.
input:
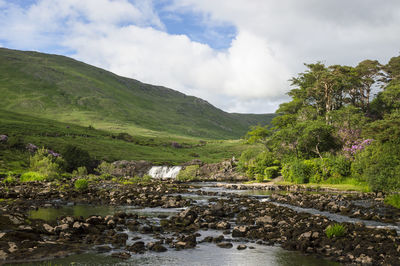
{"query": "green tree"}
{"type": "Point", "coordinates": [259, 134]}
{"type": "Point", "coordinates": [316, 138]}
{"type": "Point", "coordinates": [368, 71]}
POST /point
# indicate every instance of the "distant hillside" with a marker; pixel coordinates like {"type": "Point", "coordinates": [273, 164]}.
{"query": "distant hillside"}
{"type": "Point", "coordinates": [103, 145]}
{"type": "Point", "coordinates": [63, 89]}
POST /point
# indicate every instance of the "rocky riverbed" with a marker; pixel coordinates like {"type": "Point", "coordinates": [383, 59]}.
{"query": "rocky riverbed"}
{"type": "Point", "coordinates": [237, 221]}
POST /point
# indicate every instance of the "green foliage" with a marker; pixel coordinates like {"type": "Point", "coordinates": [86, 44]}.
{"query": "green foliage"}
{"type": "Point", "coordinates": [147, 178]}
{"type": "Point", "coordinates": [340, 165]}
{"type": "Point", "coordinates": [81, 184]}
{"type": "Point", "coordinates": [297, 171]}
{"type": "Point", "coordinates": [335, 230]}
{"type": "Point", "coordinates": [331, 170]}
{"type": "Point", "coordinates": [245, 158]}
{"type": "Point", "coordinates": [259, 178]}
{"type": "Point", "coordinates": [379, 166]}
{"type": "Point", "coordinates": [360, 163]}
{"type": "Point", "coordinates": [106, 170]}
{"type": "Point", "coordinates": [258, 134]}
{"type": "Point", "coordinates": [385, 130]}
{"type": "Point", "coordinates": [393, 200]}
{"type": "Point", "coordinates": [257, 165]}
{"type": "Point", "coordinates": [382, 162]}
{"type": "Point", "coordinates": [315, 138]}
{"type": "Point", "coordinates": [32, 176]}
{"type": "Point", "coordinates": [81, 172]}
{"type": "Point", "coordinates": [188, 173]}
{"type": "Point", "coordinates": [254, 163]}
{"type": "Point", "coordinates": [330, 117]}
{"type": "Point", "coordinates": [46, 164]}
{"type": "Point", "coordinates": [271, 172]}
{"type": "Point", "coordinates": [10, 180]}
{"type": "Point", "coordinates": [75, 157]}
{"type": "Point", "coordinates": [138, 180]}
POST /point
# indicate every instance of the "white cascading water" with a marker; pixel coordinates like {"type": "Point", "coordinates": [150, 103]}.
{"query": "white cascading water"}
{"type": "Point", "coordinates": [164, 171]}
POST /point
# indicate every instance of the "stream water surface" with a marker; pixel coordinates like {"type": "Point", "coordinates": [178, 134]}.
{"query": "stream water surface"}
{"type": "Point", "coordinates": [203, 253]}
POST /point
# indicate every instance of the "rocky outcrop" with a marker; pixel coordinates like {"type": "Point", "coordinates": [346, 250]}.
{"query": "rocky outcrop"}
{"type": "Point", "coordinates": [223, 171]}
{"type": "Point", "coordinates": [131, 168]}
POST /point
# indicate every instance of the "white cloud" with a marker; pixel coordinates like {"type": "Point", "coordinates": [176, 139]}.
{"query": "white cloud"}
{"type": "Point", "coordinates": [273, 39]}
{"type": "Point", "coordinates": [247, 70]}
{"type": "Point", "coordinates": [337, 31]}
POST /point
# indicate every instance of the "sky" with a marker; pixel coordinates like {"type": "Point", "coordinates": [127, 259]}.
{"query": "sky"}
{"type": "Point", "coordinates": [238, 55]}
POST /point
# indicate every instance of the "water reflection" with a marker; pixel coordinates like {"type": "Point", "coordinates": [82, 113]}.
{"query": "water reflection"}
{"type": "Point", "coordinates": [204, 254]}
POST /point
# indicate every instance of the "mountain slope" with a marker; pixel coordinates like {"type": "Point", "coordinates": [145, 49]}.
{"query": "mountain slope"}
{"type": "Point", "coordinates": [63, 89]}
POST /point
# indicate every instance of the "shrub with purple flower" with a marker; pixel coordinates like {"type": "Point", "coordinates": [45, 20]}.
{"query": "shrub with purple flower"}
{"type": "Point", "coordinates": [352, 142]}
{"type": "Point", "coordinates": [52, 153]}
{"type": "Point", "coordinates": [351, 148]}
{"type": "Point", "coordinates": [31, 147]}
{"type": "Point", "coordinates": [3, 138]}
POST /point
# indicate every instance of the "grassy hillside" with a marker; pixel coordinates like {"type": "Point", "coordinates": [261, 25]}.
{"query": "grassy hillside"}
{"type": "Point", "coordinates": [103, 145]}
{"type": "Point", "coordinates": [60, 88]}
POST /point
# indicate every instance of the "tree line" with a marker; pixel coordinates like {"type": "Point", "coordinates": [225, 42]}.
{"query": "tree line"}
{"type": "Point", "coordinates": [342, 123]}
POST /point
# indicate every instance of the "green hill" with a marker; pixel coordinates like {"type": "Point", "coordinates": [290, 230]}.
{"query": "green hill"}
{"type": "Point", "coordinates": [63, 89]}
{"type": "Point", "coordinates": [103, 145]}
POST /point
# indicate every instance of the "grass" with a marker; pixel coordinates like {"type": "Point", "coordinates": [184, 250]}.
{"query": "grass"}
{"type": "Point", "coordinates": [60, 88]}
{"type": "Point", "coordinates": [393, 200]}
{"type": "Point", "coordinates": [335, 230]}
{"type": "Point", "coordinates": [349, 184]}
{"type": "Point", "coordinates": [102, 144]}
{"type": "Point", "coordinates": [146, 179]}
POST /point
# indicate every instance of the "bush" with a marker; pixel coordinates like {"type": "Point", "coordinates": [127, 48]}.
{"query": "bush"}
{"type": "Point", "coordinates": [335, 230]}
{"type": "Point", "coordinates": [106, 170]}
{"type": "Point", "coordinates": [188, 173]}
{"type": "Point", "coordinates": [331, 170]}
{"type": "Point", "coordinates": [254, 164]}
{"type": "Point", "coordinates": [81, 172]}
{"type": "Point", "coordinates": [298, 171]}
{"type": "Point", "coordinates": [10, 180]}
{"type": "Point", "coordinates": [393, 200]}
{"type": "Point", "coordinates": [360, 163]}
{"type": "Point", "coordinates": [342, 166]}
{"type": "Point", "coordinates": [245, 158]}
{"type": "Point", "coordinates": [146, 178]}
{"type": "Point", "coordinates": [259, 178]}
{"type": "Point", "coordinates": [381, 166]}
{"type": "Point", "coordinates": [271, 172]}
{"type": "Point", "coordinates": [46, 164]}
{"type": "Point", "coordinates": [81, 184]}
{"type": "Point", "coordinates": [76, 157]}
{"type": "Point", "coordinates": [32, 176]}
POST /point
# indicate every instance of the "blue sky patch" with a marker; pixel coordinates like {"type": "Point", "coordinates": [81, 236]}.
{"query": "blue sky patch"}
{"type": "Point", "coordinates": [197, 26]}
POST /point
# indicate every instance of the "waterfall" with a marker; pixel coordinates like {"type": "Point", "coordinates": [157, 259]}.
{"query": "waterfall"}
{"type": "Point", "coordinates": [164, 171]}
